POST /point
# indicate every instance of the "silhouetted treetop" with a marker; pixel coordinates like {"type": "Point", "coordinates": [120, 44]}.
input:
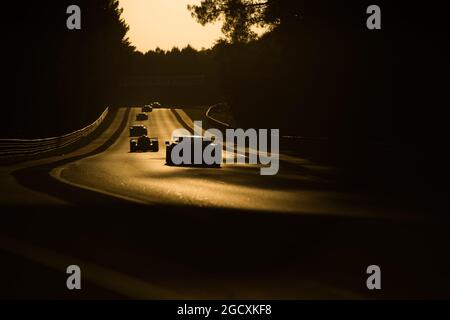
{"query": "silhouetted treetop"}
{"type": "Point", "coordinates": [238, 16]}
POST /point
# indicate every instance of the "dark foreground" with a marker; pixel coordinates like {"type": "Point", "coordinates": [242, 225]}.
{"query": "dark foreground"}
{"type": "Point", "coordinates": [132, 251]}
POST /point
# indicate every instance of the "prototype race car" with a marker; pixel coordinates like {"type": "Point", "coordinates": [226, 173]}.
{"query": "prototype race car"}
{"type": "Point", "coordinates": [155, 104]}
{"type": "Point", "coordinates": [216, 151]}
{"type": "Point", "coordinates": [138, 130]}
{"type": "Point", "coordinates": [144, 144]}
{"type": "Point", "coordinates": [141, 116]}
{"type": "Point", "coordinates": [147, 108]}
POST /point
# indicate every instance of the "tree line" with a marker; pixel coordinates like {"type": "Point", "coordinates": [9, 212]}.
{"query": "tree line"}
{"type": "Point", "coordinates": [56, 80]}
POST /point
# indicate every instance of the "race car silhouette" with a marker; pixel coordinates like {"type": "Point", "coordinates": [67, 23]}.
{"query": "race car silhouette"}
{"type": "Point", "coordinates": [191, 140]}
{"type": "Point", "coordinates": [138, 130]}
{"type": "Point", "coordinates": [141, 116]}
{"type": "Point", "coordinates": [144, 144]}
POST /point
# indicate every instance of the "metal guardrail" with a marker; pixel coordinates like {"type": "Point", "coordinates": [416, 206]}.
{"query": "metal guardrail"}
{"type": "Point", "coordinates": [208, 115]}
{"type": "Point", "coordinates": [31, 147]}
{"type": "Point", "coordinates": [285, 137]}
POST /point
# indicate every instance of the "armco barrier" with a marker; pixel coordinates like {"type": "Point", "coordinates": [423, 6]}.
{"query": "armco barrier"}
{"type": "Point", "coordinates": [208, 115]}
{"type": "Point", "coordinates": [10, 148]}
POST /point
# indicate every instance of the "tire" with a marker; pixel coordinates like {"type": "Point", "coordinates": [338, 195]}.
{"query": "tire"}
{"type": "Point", "coordinates": [168, 158]}
{"type": "Point", "coordinates": [156, 146]}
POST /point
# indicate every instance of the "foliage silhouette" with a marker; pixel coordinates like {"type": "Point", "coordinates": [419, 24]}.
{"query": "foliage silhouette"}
{"type": "Point", "coordinates": [57, 80]}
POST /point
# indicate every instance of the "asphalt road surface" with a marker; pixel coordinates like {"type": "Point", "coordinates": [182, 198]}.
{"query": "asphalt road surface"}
{"type": "Point", "coordinates": [141, 229]}
{"type": "Point", "coordinates": [144, 177]}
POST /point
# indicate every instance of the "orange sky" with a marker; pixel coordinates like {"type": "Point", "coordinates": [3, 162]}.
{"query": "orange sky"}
{"type": "Point", "coordinates": [166, 23]}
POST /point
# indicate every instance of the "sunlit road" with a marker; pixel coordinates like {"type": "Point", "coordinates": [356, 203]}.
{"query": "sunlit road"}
{"type": "Point", "coordinates": [144, 177]}
{"type": "Point", "coordinates": [141, 229]}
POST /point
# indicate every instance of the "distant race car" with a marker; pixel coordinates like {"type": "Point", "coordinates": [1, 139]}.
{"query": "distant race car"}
{"type": "Point", "coordinates": [144, 144]}
{"type": "Point", "coordinates": [138, 130]}
{"type": "Point", "coordinates": [192, 139]}
{"type": "Point", "coordinates": [141, 116]}
{"type": "Point", "coordinates": [147, 108]}
{"type": "Point", "coordinates": [155, 104]}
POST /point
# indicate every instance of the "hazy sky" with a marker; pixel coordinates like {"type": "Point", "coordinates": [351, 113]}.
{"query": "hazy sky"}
{"type": "Point", "coordinates": [166, 23]}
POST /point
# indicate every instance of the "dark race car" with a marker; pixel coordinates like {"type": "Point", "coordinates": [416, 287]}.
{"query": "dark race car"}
{"type": "Point", "coordinates": [147, 108]}
{"type": "Point", "coordinates": [138, 130]}
{"type": "Point", "coordinates": [144, 144]}
{"type": "Point", "coordinates": [155, 104]}
{"type": "Point", "coordinates": [141, 116]}
{"type": "Point", "coordinates": [190, 141]}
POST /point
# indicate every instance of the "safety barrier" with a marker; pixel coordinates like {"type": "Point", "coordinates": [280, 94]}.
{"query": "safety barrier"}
{"type": "Point", "coordinates": [10, 148]}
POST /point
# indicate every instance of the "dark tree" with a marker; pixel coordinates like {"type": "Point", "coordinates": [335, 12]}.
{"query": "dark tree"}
{"type": "Point", "coordinates": [319, 72]}
{"type": "Point", "coordinates": [239, 16]}
{"type": "Point", "coordinates": [57, 80]}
